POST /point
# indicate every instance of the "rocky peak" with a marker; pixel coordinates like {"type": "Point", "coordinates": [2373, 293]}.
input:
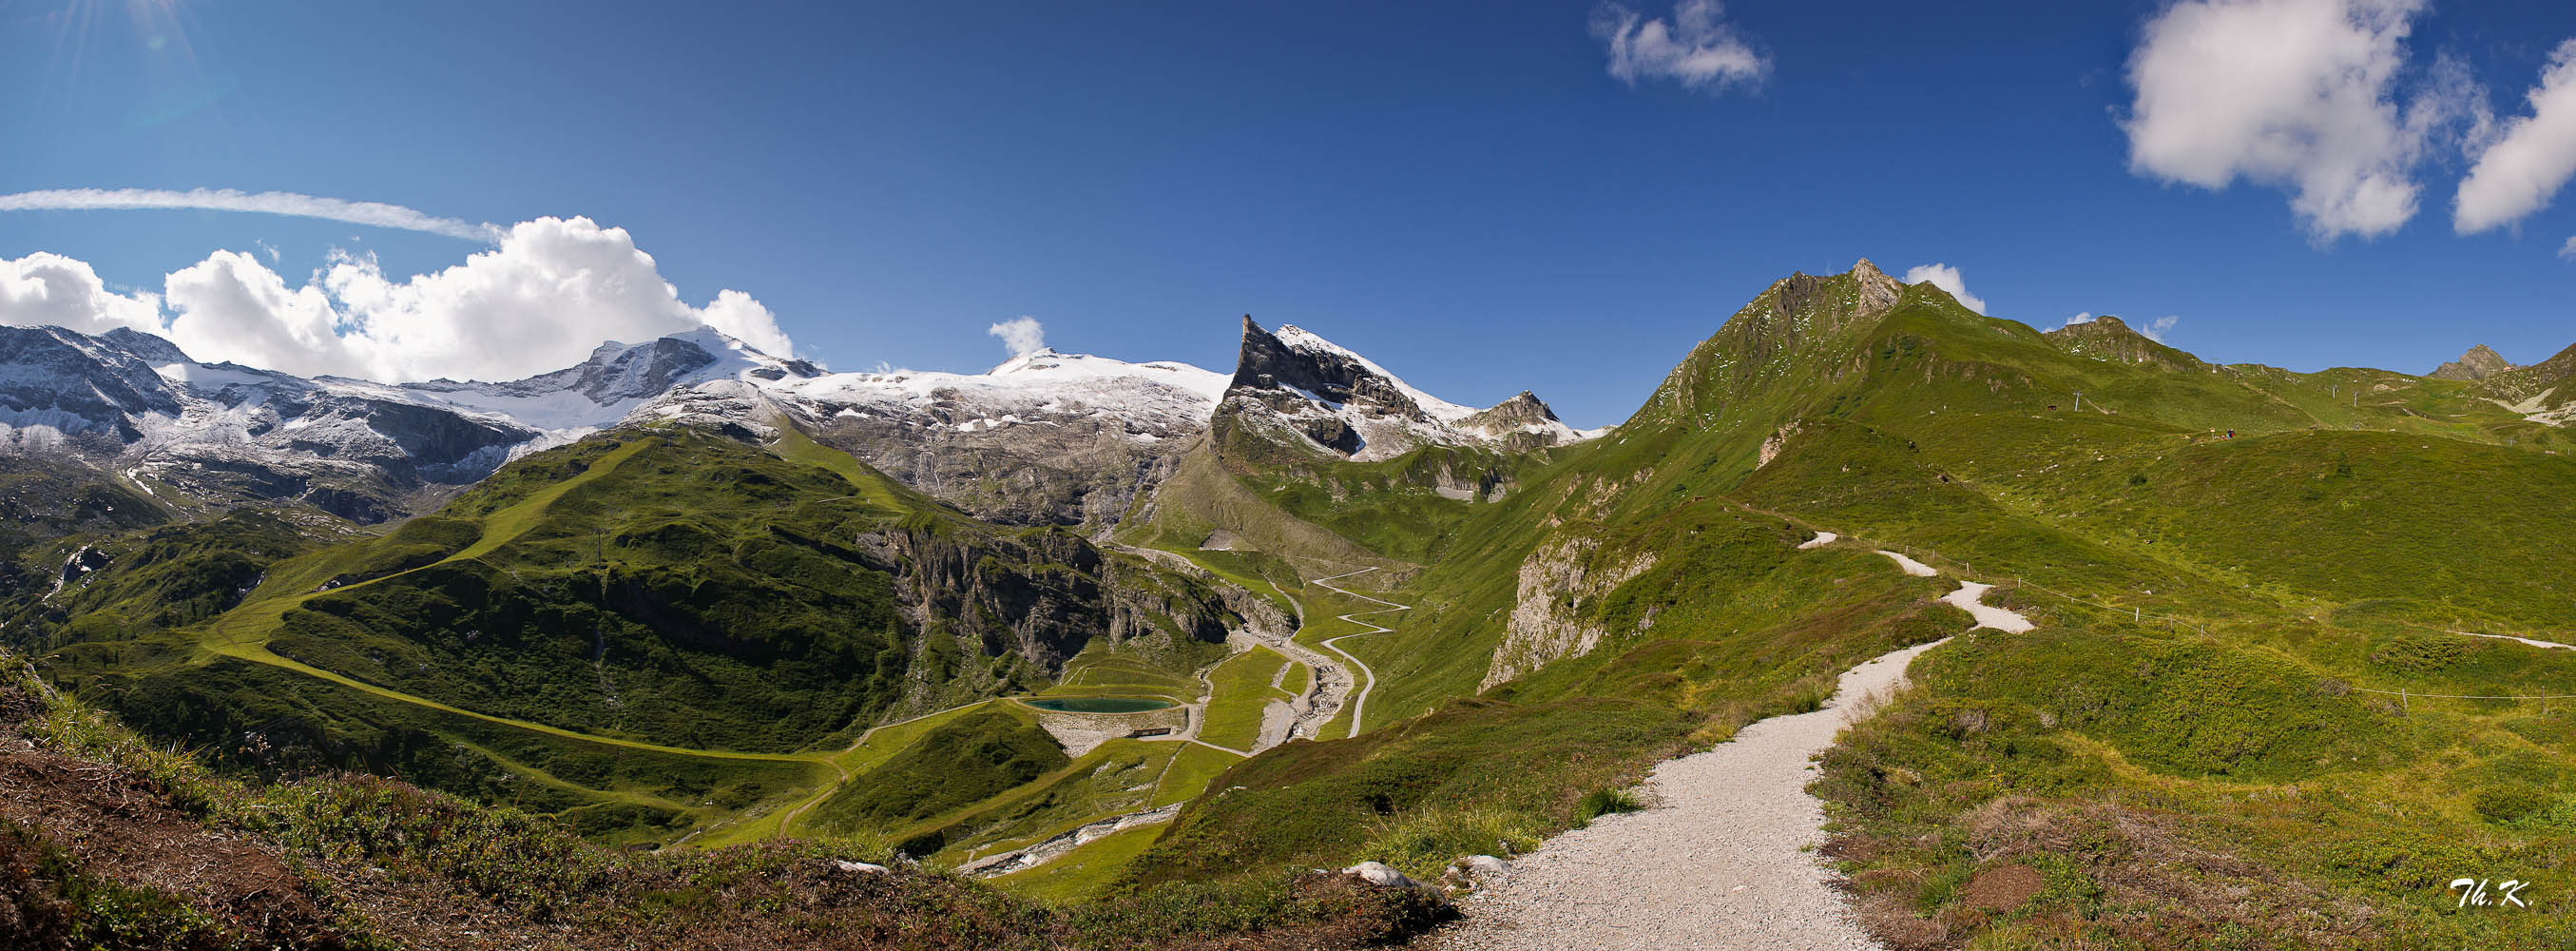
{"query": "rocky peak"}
{"type": "Point", "coordinates": [2110, 338]}
{"type": "Point", "coordinates": [2477, 364]}
{"type": "Point", "coordinates": [1296, 364]}
{"type": "Point", "coordinates": [1522, 422]}
{"type": "Point", "coordinates": [1523, 409]}
{"type": "Point", "coordinates": [76, 383]}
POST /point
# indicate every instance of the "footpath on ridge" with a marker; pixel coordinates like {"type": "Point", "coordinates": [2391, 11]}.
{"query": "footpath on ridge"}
{"type": "Point", "coordinates": [1724, 856]}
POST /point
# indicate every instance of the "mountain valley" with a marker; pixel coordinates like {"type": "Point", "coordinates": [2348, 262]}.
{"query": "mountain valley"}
{"type": "Point", "coordinates": [1083, 652]}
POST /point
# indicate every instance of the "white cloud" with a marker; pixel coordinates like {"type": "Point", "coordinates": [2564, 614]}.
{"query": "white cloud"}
{"type": "Point", "coordinates": [2531, 157]}
{"type": "Point", "coordinates": [1946, 278]}
{"type": "Point", "coordinates": [291, 204]}
{"type": "Point", "coordinates": [2568, 250]}
{"type": "Point", "coordinates": [2293, 93]}
{"type": "Point", "coordinates": [550, 292]}
{"type": "Point", "coordinates": [2082, 318]}
{"type": "Point", "coordinates": [44, 289]}
{"type": "Point", "coordinates": [2157, 328]}
{"type": "Point", "coordinates": [231, 307]}
{"type": "Point", "coordinates": [1697, 49]}
{"type": "Point", "coordinates": [1022, 335]}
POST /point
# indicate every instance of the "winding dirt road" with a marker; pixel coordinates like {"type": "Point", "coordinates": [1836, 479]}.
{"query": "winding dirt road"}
{"type": "Point", "coordinates": [1359, 700]}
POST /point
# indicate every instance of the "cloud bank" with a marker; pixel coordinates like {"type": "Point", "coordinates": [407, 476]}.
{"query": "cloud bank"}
{"type": "Point", "coordinates": [1697, 48]}
{"type": "Point", "coordinates": [2531, 158]}
{"type": "Point", "coordinates": [548, 292]}
{"type": "Point", "coordinates": [1946, 278]}
{"type": "Point", "coordinates": [44, 289]}
{"type": "Point", "coordinates": [2297, 94]}
{"type": "Point", "coordinates": [1023, 335]}
{"type": "Point", "coordinates": [376, 214]}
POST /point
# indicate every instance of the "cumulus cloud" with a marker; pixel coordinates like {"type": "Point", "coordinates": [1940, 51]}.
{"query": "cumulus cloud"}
{"type": "Point", "coordinates": [231, 307]}
{"type": "Point", "coordinates": [1946, 278]}
{"type": "Point", "coordinates": [2297, 94]}
{"type": "Point", "coordinates": [549, 292]}
{"type": "Point", "coordinates": [1023, 335]}
{"type": "Point", "coordinates": [291, 204]}
{"type": "Point", "coordinates": [45, 289]}
{"type": "Point", "coordinates": [2530, 158]}
{"type": "Point", "coordinates": [1697, 48]}
{"type": "Point", "coordinates": [2082, 318]}
{"type": "Point", "coordinates": [2157, 328]}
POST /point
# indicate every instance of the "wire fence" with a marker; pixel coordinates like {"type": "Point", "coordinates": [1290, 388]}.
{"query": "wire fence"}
{"type": "Point", "coordinates": [2405, 698]}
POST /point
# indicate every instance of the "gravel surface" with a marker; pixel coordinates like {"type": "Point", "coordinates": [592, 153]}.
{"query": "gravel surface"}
{"type": "Point", "coordinates": [1971, 597]}
{"type": "Point", "coordinates": [1722, 860]}
{"type": "Point", "coordinates": [1911, 566]}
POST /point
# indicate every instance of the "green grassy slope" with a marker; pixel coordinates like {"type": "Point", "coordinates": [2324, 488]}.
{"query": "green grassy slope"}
{"type": "Point", "coordinates": [728, 617]}
{"type": "Point", "coordinates": [2320, 553]}
{"type": "Point", "coordinates": [107, 836]}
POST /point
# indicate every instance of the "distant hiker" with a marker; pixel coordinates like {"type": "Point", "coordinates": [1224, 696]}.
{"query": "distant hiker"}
{"type": "Point", "coordinates": [2231, 434]}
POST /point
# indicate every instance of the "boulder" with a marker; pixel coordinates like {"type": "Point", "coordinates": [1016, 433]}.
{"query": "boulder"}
{"type": "Point", "coordinates": [860, 868]}
{"type": "Point", "coordinates": [1475, 870]}
{"type": "Point", "coordinates": [1378, 874]}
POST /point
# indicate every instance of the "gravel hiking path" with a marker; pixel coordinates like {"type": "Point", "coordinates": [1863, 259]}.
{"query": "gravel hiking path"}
{"type": "Point", "coordinates": [1971, 597]}
{"type": "Point", "coordinates": [1724, 859]}
{"type": "Point", "coordinates": [2520, 640]}
{"type": "Point", "coordinates": [1911, 566]}
{"type": "Point", "coordinates": [1821, 540]}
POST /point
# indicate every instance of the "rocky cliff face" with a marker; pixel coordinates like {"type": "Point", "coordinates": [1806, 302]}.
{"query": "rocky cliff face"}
{"type": "Point", "coordinates": [1549, 621]}
{"type": "Point", "coordinates": [2477, 364]}
{"type": "Point", "coordinates": [1041, 597]}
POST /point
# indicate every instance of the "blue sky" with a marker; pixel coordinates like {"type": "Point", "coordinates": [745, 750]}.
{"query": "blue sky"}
{"type": "Point", "coordinates": [1463, 191]}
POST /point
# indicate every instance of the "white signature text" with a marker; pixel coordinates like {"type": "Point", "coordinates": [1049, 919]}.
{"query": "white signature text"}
{"type": "Point", "coordinates": [2474, 893]}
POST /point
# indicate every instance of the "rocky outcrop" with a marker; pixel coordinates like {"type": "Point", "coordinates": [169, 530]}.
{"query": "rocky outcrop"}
{"type": "Point", "coordinates": [2477, 364]}
{"type": "Point", "coordinates": [1550, 619]}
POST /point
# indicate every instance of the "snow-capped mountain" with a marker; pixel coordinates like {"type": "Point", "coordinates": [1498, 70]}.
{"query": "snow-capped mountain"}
{"type": "Point", "coordinates": [616, 381]}
{"type": "Point", "coordinates": [133, 403]}
{"type": "Point", "coordinates": [1344, 403]}
{"type": "Point", "coordinates": [1044, 438]}
{"type": "Point", "coordinates": [222, 433]}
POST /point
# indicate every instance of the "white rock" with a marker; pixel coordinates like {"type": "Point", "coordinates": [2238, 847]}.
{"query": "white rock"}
{"type": "Point", "coordinates": [1482, 866]}
{"type": "Point", "coordinates": [1377, 873]}
{"type": "Point", "coordinates": [864, 868]}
